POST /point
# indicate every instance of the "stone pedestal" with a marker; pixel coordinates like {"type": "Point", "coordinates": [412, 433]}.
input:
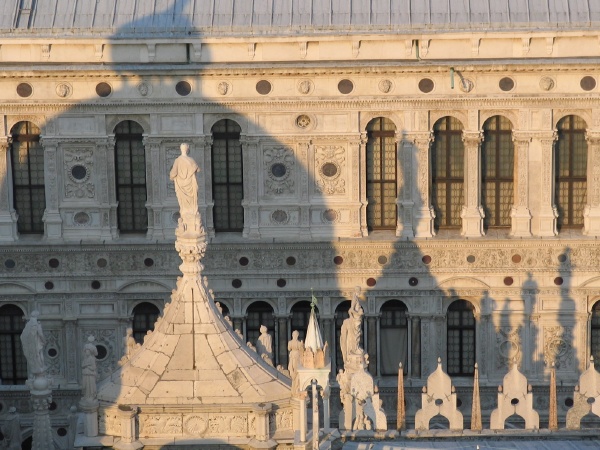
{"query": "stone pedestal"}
{"type": "Point", "coordinates": [41, 397]}
{"type": "Point", "coordinates": [89, 408]}
{"type": "Point", "coordinates": [128, 438]}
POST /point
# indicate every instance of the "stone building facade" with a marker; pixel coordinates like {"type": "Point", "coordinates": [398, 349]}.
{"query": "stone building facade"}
{"type": "Point", "coordinates": [449, 169]}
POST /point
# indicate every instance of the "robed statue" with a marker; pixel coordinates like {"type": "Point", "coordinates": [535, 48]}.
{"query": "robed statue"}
{"type": "Point", "coordinates": [33, 341]}
{"type": "Point", "coordinates": [183, 175]}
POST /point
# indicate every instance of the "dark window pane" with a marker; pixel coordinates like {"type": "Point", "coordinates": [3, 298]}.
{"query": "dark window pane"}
{"type": "Point", "coordinates": [144, 318]}
{"type": "Point", "coordinates": [460, 322]}
{"type": "Point", "coordinates": [227, 177]}
{"type": "Point", "coordinates": [13, 366]}
{"type": "Point", "coordinates": [27, 158]}
{"type": "Point", "coordinates": [130, 165]}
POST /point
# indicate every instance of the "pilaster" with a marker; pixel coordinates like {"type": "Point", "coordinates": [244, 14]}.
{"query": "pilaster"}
{"type": "Point", "coordinates": [520, 213]}
{"type": "Point", "coordinates": [203, 157]}
{"type": "Point", "coordinates": [416, 347]}
{"type": "Point", "coordinates": [51, 218]}
{"type": "Point", "coordinates": [107, 196]}
{"type": "Point", "coordinates": [591, 214]}
{"type": "Point", "coordinates": [154, 180]}
{"type": "Point", "coordinates": [424, 216]}
{"type": "Point", "coordinates": [250, 201]}
{"type": "Point", "coordinates": [372, 322]}
{"type": "Point", "coordinates": [8, 215]}
{"type": "Point", "coordinates": [548, 211]}
{"type": "Point", "coordinates": [282, 338]}
{"type": "Point", "coordinates": [404, 197]}
{"type": "Point", "coordinates": [472, 212]}
{"type": "Point", "coordinates": [362, 179]}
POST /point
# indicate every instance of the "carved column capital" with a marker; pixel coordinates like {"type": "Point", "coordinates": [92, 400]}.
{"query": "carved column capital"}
{"type": "Point", "coordinates": [472, 138]}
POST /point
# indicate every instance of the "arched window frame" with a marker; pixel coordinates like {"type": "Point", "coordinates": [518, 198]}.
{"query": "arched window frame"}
{"type": "Point", "coordinates": [130, 177]}
{"type": "Point", "coordinates": [595, 333]}
{"type": "Point", "coordinates": [144, 315]}
{"type": "Point", "coordinates": [13, 365]}
{"type": "Point", "coordinates": [27, 166]}
{"type": "Point", "coordinates": [497, 172]}
{"type": "Point", "coordinates": [257, 314]}
{"type": "Point", "coordinates": [227, 176]}
{"type": "Point", "coordinates": [381, 174]}
{"type": "Point", "coordinates": [447, 146]}
{"type": "Point", "coordinates": [393, 317]}
{"type": "Point", "coordinates": [461, 338]}
{"type": "Point", "coordinates": [567, 187]}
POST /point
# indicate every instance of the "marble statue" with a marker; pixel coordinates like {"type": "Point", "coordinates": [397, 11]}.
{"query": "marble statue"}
{"type": "Point", "coordinates": [12, 430]}
{"type": "Point", "coordinates": [295, 348]}
{"type": "Point", "coordinates": [351, 331]}
{"type": "Point", "coordinates": [88, 370]}
{"type": "Point", "coordinates": [183, 175]}
{"type": "Point", "coordinates": [33, 341]}
{"type": "Point", "coordinates": [264, 344]}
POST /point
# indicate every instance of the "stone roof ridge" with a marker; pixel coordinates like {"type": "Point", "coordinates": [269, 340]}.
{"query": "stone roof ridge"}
{"type": "Point", "coordinates": [241, 17]}
{"type": "Point", "coordinates": [193, 357]}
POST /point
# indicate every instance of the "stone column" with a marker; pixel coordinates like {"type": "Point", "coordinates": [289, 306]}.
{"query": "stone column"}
{"type": "Point", "coordinates": [548, 211]}
{"type": "Point", "coordinates": [520, 213]}
{"type": "Point", "coordinates": [238, 322]}
{"type": "Point", "coordinates": [261, 414]}
{"type": "Point", "coordinates": [52, 219]}
{"type": "Point", "coordinates": [203, 157]}
{"type": "Point", "coordinates": [472, 211]}
{"type": "Point", "coordinates": [302, 398]}
{"type": "Point", "coordinates": [8, 216]}
{"type": "Point", "coordinates": [372, 343]}
{"type": "Point", "coordinates": [404, 197]}
{"type": "Point", "coordinates": [282, 339]}
{"type": "Point", "coordinates": [250, 202]}
{"type": "Point", "coordinates": [112, 188]}
{"type": "Point", "coordinates": [416, 347]}
{"type": "Point", "coordinates": [71, 351]}
{"type": "Point", "coordinates": [305, 153]}
{"type": "Point", "coordinates": [325, 394]}
{"type": "Point", "coordinates": [41, 397]}
{"type": "Point", "coordinates": [362, 179]}
{"type": "Point", "coordinates": [424, 216]}
{"type": "Point", "coordinates": [591, 214]}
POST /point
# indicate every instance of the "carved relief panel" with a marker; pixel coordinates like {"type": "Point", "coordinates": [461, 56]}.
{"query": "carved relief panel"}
{"type": "Point", "coordinates": [330, 169]}
{"type": "Point", "coordinates": [509, 347]}
{"type": "Point", "coordinates": [78, 166]}
{"type": "Point", "coordinates": [558, 347]}
{"type": "Point", "coordinates": [279, 171]}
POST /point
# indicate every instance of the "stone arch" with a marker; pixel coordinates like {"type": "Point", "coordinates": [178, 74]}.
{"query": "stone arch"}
{"type": "Point", "coordinates": [135, 302]}
{"type": "Point", "coordinates": [366, 117]}
{"type": "Point", "coordinates": [382, 301]}
{"type": "Point", "coordinates": [455, 283]}
{"type": "Point", "coordinates": [511, 115]}
{"type": "Point", "coordinates": [288, 307]}
{"type": "Point", "coordinates": [15, 287]}
{"type": "Point", "coordinates": [144, 286]}
{"type": "Point", "coordinates": [113, 121]}
{"type": "Point", "coordinates": [558, 115]}
{"type": "Point", "coordinates": [250, 302]}
{"type": "Point", "coordinates": [38, 121]}
{"type": "Point", "coordinates": [448, 300]}
{"type": "Point", "coordinates": [461, 116]}
{"type": "Point", "coordinates": [211, 119]}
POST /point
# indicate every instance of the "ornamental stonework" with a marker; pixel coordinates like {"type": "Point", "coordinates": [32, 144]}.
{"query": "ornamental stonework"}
{"type": "Point", "coordinates": [558, 348]}
{"type": "Point", "coordinates": [78, 166]}
{"type": "Point", "coordinates": [508, 347]}
{"type": "Point", "coordinates": [279, 164]}
{"type": "Point", "coordinates": [330, 162]}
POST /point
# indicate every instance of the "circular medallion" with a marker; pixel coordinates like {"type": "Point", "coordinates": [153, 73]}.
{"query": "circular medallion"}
{"type": "Point", "coordinates": [330, 215]}
{"type": "Point", "coordinates": [183, 88]}
{"type": "Point", "coordinates": [546, 84]}
{"type": "Point", "coordinates": [223, 88]}
{"type": "Point", "coordinates": [305, 87]}
{"type": "Point", "coordinates": [24, 90]}
{"type": "Point", "coordinates": [303, 121]}
{"type": "Point", "coordinates": [263, 87]}
{"type": "Point", "coordinates": [385, 86]}
{"type": "Point", "coordinates": [329, 169]}
{"type": "Point", "coordinates": [79, 172]}
{"type": "Point", "coordinates": [103, 89]}
{"type": "Point", "coordinates": [587, 83]}
{"type": "Point", "coordinates": [279, 216]}
{"type": "Point", "coordinates": [278, 170]}
{"type": "Point", "coordinates": [63, 90]}
{"type": "Point", "coordinates": [506, 84]}
{"type": "Point", "coordinates": [144, 89]}
{"type": "Point", "coordinates": [195, 425]}
{"type": "Point", "coordinates": [345, 86]}
{"type": "Point", "coordinates": [426, 85]}
{"type": "Point", "coordinates": [81, 218]}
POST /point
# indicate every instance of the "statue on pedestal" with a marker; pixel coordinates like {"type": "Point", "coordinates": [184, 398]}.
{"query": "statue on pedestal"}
{"type": "Point", "coordinates": [264, 345]}
{"type": "Point", "coordinates": [33, 341]}
{"type": "Point", "coordinates": [295, 349]}
{"type": "Point", "coordinates": [351, 331]}
{"type": "Point", "coordinates": [88, 370]}
{"type": "Point", "coordinates": [183, 175]}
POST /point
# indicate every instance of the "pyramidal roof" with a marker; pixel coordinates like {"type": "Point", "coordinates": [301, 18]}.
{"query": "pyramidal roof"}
{"type": "Point", "coordinates": [193, 356]}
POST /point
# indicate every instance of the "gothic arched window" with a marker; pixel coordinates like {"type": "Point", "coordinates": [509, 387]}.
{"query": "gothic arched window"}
{"type": "Point", "coordinates": [27, 160]}
{"type": "Point", "coordinates": [227, 176]}
{"type": "Point", "coordinates": [144, 317]}
{"type": "Point", "coordinates": [595, 334]}
{"type": "Point", "coordinates": [130, 165]}
{"type": "Point", "coordinates": [461, 338]}
{"type": "Point", "coordinates": [571, 172]}
{"type": "Point", "coordinates": [497, 172]}
{"type": "Point", "coordinates": [447, 172]}
{"type": "Point", "coordinates": [13, 365]}
{"type": "Point", "coordinates": [381, 174]}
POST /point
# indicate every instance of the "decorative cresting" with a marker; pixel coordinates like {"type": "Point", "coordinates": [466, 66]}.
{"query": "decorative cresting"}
{"type": "Point", "coordinates": [193, 377]}
{"type": "Point", "coordinates": [586, 398]}
{"type": "Point", "coordinates": [438, 397]}
{"type": "Point", "coordinates": [514, 397]}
